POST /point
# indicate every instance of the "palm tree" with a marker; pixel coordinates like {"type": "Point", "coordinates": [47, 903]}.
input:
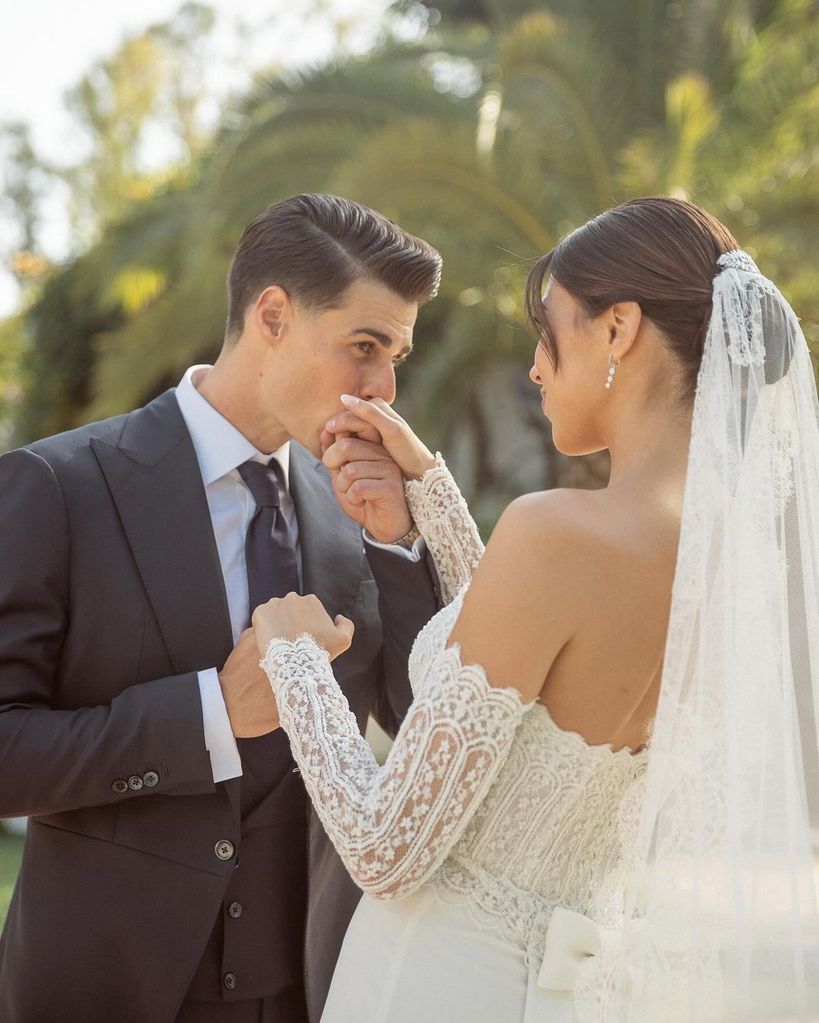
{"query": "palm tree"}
{"type": "Point", "coordinates": [492, 142]}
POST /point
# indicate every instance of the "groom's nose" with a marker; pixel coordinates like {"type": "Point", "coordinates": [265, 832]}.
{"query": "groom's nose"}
{"type": "Point", "coordinates": [380, 383]}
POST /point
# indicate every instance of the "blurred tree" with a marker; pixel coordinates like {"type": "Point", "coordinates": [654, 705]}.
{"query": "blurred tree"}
{"type": "Point", "coordinates": [11, 375]}
{"type": "Point", "coordinates": [24, 180]}
{"type": "Point", "coordinates": [491, 141]}
{"type": "Point", "coordinates": [154, 81]}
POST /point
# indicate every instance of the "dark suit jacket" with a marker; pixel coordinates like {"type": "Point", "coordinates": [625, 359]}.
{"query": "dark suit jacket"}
{"type": "Point", "coordinates": [111, 599]}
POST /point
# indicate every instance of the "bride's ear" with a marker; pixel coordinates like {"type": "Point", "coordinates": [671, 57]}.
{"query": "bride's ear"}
{"type": "Point", "coordinates": [624, 320]}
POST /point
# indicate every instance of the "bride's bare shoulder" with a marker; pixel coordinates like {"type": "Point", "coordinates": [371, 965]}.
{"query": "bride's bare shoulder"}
{"type": "Point", "coordinates": [541, 564]}
{"type": "Point", "coordinates": [580, 515]}
{"type": "Point", "coordinates": [582, 537]}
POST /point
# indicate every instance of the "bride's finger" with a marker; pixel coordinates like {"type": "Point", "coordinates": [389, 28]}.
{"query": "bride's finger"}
{"type": "Point", "coordinates": [388, 410]}
{"type": "Point", "coordinates": [388, 423]}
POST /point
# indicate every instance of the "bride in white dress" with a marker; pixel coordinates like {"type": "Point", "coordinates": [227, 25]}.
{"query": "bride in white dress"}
{"type": "Point", "coordinates": [542, 775]}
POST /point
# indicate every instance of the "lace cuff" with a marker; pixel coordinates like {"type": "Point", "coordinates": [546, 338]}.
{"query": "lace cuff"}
{"type": "Point", "coordinates": [441, 514]}
{"type": "Point", "coordinates": [394, 825]}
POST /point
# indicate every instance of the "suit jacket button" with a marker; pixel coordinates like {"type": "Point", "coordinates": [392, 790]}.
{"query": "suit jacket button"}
{"type": "Point", "coordinates": [235, 909]}
{"type": "Point", "coordinates": [135, 783]}
{"type": "Point", "coordinates": [224, 850]}
{"type": "Point", "coordinates": [151, 778]}
{"type": "Point", "coordinates": [296, 770]}
{"type": "Point", "coordinates": [120, 786]}
{"type": "Point", "coordinates": [230, 981]}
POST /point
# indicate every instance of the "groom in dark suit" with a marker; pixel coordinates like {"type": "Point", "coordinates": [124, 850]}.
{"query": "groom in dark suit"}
{"type": "Point", "coordinates": [172, 868]}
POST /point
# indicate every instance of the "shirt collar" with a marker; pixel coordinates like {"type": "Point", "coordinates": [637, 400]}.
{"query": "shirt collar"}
{"type": "Point", "coordinates": [219, 446]}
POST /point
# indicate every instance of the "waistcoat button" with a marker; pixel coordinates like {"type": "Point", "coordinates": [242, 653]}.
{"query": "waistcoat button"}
{"type": "Point", "coordinates": [224, 849]}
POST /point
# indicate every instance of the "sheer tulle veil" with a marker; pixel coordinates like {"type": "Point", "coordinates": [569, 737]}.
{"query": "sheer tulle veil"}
{"type": "Point", "coordinates": [722, 895]}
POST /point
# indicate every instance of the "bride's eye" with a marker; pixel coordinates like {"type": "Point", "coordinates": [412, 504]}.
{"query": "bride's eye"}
{"type": "Point", "coordinates": [365, 346]}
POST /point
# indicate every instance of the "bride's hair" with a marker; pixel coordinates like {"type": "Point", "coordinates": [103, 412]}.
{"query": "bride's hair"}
{"type": "Point", "coordinates": [659, 252]}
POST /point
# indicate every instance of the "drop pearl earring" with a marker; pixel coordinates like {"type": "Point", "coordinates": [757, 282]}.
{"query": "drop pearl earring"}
{"type": "Point", "coordinates": [612, 370]}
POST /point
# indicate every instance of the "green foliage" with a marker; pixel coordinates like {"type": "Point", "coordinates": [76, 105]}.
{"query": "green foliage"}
{"type": "Point", "coordinates": [492, 139]}
{"type": "Point", "coordinates": [11, 851]}
{"type": "Point", "coordinates": [12, 348]}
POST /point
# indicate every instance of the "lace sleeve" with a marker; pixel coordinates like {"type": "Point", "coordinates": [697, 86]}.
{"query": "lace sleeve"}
{"type": "Point", "coordinates": [394, 825]}
{"type": "Point", "coordinates": [442, 517]}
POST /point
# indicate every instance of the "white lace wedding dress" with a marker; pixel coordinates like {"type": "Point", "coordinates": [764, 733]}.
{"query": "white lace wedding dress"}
{"type": "Point", "coordinates": [491, 844]}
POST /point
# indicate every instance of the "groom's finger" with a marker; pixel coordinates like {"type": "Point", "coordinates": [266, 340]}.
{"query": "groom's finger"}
{"type": "Point", "coordinates": [353, 471]}
{"type": "Point", "coordinates": [362, 490]}
{"type": "Point", "coordinates": [351, 449]}
{"type": "Point", "coordinates": [326, 440]}
{"type": "Point", "coordinates": [349, 422]}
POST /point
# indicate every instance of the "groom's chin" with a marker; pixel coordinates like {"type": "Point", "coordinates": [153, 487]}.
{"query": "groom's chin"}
{"type": "Point", "coordinates": [311, 441]}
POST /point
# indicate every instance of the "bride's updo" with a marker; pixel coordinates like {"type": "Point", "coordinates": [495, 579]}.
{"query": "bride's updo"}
{"type": "Point", "coordinates": [661, 253]}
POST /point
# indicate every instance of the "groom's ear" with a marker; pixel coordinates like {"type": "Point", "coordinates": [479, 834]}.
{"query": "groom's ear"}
{"type": "Point", "coordinates": [272, 309]}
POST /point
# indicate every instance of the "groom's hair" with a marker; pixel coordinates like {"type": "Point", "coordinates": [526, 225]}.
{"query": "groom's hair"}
{"type": "Point", "coordinates": [657, 251]}
{"type": "Point", "coordinates": [315, 246]}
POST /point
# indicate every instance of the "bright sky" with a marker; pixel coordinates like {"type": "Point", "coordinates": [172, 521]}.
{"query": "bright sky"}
{"type": "Point", "coordinates": [46, 46]}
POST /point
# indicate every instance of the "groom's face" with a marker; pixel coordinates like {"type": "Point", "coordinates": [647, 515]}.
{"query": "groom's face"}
{"type": "Point", "coordinates": [353, 349]}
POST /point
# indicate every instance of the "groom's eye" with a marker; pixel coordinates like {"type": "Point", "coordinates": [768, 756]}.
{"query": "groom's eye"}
{"type": "Point", "coordinates": [367, 347]}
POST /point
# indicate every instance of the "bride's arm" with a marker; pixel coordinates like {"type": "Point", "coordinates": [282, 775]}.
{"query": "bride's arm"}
{"type": "Point", "coordinates": [394, 825]}
{"type": "Point", "coordinates": [442, 516]}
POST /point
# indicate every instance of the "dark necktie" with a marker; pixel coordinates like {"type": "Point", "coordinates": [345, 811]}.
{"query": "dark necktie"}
{"type": "Point", "coordinates": [272, 570]}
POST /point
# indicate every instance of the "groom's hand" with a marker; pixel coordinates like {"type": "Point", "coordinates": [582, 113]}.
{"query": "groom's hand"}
{"type": "Point", "coordinates": [367, 483]}
{"type": "Point", "coordinates": [250, 703]}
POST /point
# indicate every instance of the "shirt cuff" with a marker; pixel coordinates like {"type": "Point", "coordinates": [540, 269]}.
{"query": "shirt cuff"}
{"type": "Point", "coordinates": [414, 553]}
{"type": "Point", "coordinates": [225, 761]}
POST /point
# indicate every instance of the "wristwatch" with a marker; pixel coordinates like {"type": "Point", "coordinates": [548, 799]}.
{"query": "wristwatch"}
{"type": "Point", "coordinates": [408, 539]}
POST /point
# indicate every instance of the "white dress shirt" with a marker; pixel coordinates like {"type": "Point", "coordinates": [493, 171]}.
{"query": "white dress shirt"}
{"type": "Point", "coordinates": [220, 449]}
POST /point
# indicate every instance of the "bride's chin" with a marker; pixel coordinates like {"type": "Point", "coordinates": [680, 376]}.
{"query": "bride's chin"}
{"type": "Point", "coordinates": [574, 448]}
{"type": "Point", "coordinates": [574, 436]}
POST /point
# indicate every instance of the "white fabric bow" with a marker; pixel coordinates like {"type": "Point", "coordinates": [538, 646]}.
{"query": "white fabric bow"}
{"type": "Point", "coordinates": [571, 939]}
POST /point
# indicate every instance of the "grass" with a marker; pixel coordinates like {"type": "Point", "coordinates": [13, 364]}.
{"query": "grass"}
{"type": "Point", "coordinates": [11, 849]}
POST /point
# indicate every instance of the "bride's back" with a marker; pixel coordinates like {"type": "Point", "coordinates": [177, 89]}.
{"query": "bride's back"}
{"type": "Point", "coordinates": [616, 579]}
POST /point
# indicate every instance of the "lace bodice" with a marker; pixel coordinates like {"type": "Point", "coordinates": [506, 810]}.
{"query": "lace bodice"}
{"type": "Point", "coordinates": [482, 795]}
{"type": "Point", "coordinates": [553, 829]}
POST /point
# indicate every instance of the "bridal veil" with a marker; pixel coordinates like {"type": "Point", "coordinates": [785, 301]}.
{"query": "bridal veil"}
{"type": "Point", "coordinates": [722, 897]}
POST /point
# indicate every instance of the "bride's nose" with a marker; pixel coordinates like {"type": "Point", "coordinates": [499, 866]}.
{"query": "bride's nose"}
{"type": "Point", "coordinates": [534, 376]}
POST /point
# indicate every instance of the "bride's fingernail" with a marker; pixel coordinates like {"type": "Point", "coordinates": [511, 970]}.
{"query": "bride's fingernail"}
{"type": "Point", "coordinates": [349, 400]}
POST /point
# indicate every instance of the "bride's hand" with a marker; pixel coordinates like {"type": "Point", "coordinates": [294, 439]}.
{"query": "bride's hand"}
{"type": "Point", "coordinates": [368, 418]}
{"type": "Point", "coordinates": [288, 617]}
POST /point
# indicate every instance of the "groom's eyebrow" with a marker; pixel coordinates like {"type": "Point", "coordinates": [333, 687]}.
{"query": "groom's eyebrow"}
{"type": "Point", "coordinates": [381, 338]}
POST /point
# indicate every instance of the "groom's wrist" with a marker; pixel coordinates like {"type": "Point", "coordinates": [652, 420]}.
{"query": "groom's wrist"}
{"type": "Point", "coordinates": [407, 541]}
{"type": "Point", "coordinates": [412, 552]}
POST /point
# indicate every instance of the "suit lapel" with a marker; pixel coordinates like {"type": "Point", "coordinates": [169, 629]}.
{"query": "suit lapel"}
{"type": "Point", "coordinates": [154, 479]}
{"type": "Point", "coordinates": [332, 550]}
